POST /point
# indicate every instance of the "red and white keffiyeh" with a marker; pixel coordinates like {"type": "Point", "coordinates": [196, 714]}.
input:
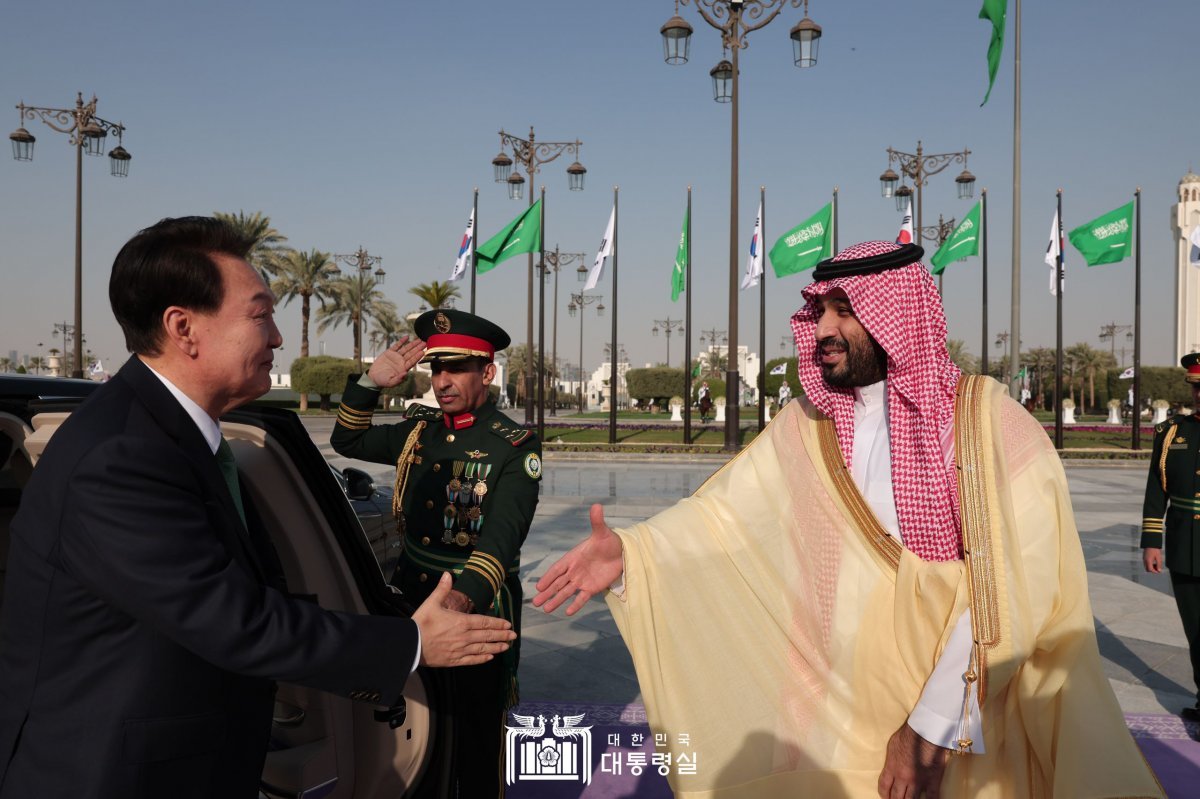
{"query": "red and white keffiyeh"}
{"type": "Point", "coordinates": [902, 311]}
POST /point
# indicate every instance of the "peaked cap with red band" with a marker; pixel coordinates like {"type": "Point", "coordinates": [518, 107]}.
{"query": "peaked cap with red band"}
{"type": "Point", "coordinates": [896, 301]}
{"type": "Point", "coordinates": [451, 335]}
{"type": "Point", "coordinates": [1191, 362]}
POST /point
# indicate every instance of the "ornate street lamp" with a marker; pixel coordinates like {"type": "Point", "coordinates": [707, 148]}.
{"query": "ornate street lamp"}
{"type": "Point", "coordinates": [579, 302]}
{"type": "Point", "coordinates": [902, 196]}
{"type": "Point", "coordinates": [966, 184]}
{"type": "Point", "coordinates": [806, 35]}
{"type": "Point", "coordinates": [887, 183]}
{"type": "Point", "coordinates": [735, 19]}
{"type": "Point", "coordinates": [529, 155]}
{"type": "Point", "coordinates": [677, 37]}
{"type": "Point", "coordinates": [361, 263]}
{"type": "Point", "coordinates": [87, 133]}
{"type": "Point", "coordinates": [553, 261]}
{"type": "Point", "coordinates": [669, 326]}
{"type": "Point", "coordinates": [722, 78]}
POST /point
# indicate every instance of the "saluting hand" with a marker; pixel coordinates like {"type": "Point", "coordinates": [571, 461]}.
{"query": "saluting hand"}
{"type": "Point", "coordinates": [393, 364]}
{"type": "Point", "coordinates": [589, 568]}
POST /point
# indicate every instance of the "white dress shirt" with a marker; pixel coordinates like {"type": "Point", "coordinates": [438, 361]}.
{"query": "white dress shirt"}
{"type": "Point", "coordinates": [937, 715]}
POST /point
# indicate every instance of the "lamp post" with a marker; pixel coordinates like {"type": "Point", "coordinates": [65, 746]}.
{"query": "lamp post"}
{"type": "Point", "coordinates": [735, 19]}
{"type": "Point", "coordinates": [668, 326]}
{"type": "Point", "coordinates": [920, 166]}
{"type": "Point", "coordinates": [617, 375]}
{"type": "Point", "coordinates": [554, 261]}
{"type": "Point", "coordinates": [715, 339]}
{"type": "Point", "coordinates": [529, 154]}
{"type": "Point", "coordinates": [361, 262]}
{"type": "Point", "coordinates": [579, 302]}
{"type": "Point", "coordinates": [87, 133]}
{"type": "Point", "coordinates": [1109, 333]}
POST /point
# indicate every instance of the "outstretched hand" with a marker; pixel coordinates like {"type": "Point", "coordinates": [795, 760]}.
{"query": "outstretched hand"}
{"type": "Point", "coordinates": [393, 364]}
{"type": "Point", "coordinates": [588, 569]}
{"type": "Point", "coordinates": [449, 638]}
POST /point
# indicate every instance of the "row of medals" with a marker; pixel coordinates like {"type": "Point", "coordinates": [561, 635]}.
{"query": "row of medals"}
{"type": "Point", "coordinates": [464, 498]}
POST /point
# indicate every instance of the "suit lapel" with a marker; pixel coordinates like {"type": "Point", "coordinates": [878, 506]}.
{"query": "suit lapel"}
{"type": "Point", "coordinates": [175, 422]}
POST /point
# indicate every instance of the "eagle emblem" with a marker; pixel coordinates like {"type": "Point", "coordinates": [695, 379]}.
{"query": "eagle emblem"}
{"type": "Point", "coordinates": [441, 323]}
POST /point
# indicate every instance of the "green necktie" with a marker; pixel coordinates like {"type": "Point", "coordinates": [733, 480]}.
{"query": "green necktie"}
{"type": "Point", "coordinates": [228, 466]}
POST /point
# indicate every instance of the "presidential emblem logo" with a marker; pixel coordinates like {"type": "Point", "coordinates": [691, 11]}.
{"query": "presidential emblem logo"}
{"type": "Point", "coordinates": [565, 754]}
{"type": "Point", "coordinates": [441, 323]}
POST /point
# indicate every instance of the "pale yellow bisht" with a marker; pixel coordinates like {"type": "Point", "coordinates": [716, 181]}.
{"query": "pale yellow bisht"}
{"type": "Point", "coordinates": [780, 636]}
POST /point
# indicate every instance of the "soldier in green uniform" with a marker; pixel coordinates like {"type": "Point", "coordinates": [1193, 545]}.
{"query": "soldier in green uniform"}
{"type": "Point", "coordinates": [466, 489]}
{"type": "Point", "coordinates": [1173, 489]}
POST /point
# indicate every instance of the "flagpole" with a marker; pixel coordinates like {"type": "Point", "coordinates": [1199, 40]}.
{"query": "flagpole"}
{"type": "Point", "coordinates": [762, 312]}
{"type": "Point", "coordinates": [687, 336]}
{"type": "Point", "coordinates": [1014, 327]}
{"type": "Point", "coordinates": [1137, 321]}
{"type": "Point", "coordinates": [835, 220]}
{"type": "Point", "coordinates": [612, 383]}
{"type": "Point", "coordinates": [1058, 351]}
{"type": "Point", "coordinates": [983, 234]}
{"type": "Point", "coordinates": [541, 365]}
{"type": "Point", "coordinates": [475, 247]}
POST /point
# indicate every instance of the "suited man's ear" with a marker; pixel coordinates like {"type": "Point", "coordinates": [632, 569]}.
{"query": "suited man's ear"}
{"type": "Point", "coordinates": [179, 331]}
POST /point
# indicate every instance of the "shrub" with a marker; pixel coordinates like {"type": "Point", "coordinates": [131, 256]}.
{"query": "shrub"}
{"type": "Point", "coordinates": [323, 375]}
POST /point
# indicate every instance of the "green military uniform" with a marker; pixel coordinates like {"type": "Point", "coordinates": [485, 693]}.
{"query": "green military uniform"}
{"type": "Point", "coordinates": [1173, 490]}
{"type": "Point", "coordinates": [466, 490]}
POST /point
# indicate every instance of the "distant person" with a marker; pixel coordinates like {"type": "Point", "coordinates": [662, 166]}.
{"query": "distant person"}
{"type": "Point", "coordinates": [466, 489]}
{"type": "Point", "coordinates": [146, 616]}
{"type": "Point", "coordinates": [785, 393]}
{"type": "Point", "coordinates": [704, 401]}
{"type": "Point", "coordinates": [1171, 492]}
{"type": "Point", "coordinates": [888, 574]}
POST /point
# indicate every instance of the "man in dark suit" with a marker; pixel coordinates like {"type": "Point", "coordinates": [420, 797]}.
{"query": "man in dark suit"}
{"type": "Point", "coordinates": [1173, 491]}
{"type": "Point", "coordinates": [144, 620]}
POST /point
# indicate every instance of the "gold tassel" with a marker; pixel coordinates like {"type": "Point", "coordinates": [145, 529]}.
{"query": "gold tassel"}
{"type": "Point", "coordinates": [403, 467]}
{"type": "Point", "coordinates": [970, 676]}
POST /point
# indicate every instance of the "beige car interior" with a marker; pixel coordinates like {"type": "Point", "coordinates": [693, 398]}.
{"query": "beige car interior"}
{"type": "Point", "coordinates": [369, 758]}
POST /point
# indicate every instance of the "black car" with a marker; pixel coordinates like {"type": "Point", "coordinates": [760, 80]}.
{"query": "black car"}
{"type": "Point", "coordinates": [322, 745]}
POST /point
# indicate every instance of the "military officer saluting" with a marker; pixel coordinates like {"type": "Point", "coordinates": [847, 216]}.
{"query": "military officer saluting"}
{"type": "Point", "coordinates": [1173, 489]}
{"type": "Point", "coordinates": [466, 489]}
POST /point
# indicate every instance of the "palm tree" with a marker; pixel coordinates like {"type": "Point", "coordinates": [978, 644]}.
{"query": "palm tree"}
{"type": "Point", "coordinates": [304, 275]}
{"type": "Point", "coordinates": [37, 363]}
{"type": "Point", "coordinates": [436, 294]}
{"type": "Point", "coordinates": [1086, 360]}
{"type": "Point", "coordinates": [6, 364]}
{"type": "Point", "coordinates": [268, 249]}
{"type": "Point", "coordinates": [389, 327]}
{"type": "Point", "coordinates": [517, 365]}
{"type": "Point", "coordinates": [1042, 361]}
{"type": "Point", "coordinates": [964, 360]}
{"type": "Point", "coordinates": [715, 363]}
{"type": "Point", "coordinates": [349, 299]}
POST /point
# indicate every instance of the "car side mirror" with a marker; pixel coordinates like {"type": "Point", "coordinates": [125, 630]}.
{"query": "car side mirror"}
{"type": "Point", "coordinates": [359, 485]}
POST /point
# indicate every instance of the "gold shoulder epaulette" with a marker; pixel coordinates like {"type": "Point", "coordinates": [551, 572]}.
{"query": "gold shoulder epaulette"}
{"type": "Point", "coordinates": [513, 435]}
{"type": "Point", "coordinates": [416, 410]}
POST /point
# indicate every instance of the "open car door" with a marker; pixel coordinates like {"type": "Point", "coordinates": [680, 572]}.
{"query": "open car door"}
{"type": "Point", "coordinates": [321, 745]}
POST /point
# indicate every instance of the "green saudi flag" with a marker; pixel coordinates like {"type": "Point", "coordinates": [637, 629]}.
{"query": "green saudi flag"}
{"type": "Point", "coordinates": [678, 275]}
{"type": "Point", "coordinates": [962, 242]}
{"type": "Point", "coordinates": [994, 11]}
{"type": "Point", "coordinates": [523, 234]}
{"type": "Point", "coordinates": [805, 245]}
{"type": "Point", "coordinates": [1106, 239]}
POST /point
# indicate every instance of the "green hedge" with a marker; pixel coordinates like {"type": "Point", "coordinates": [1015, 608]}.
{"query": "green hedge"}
{"type": "Point", "coordinates": [1158, 382]}
{"type": "Point", "coordinates": [323, 375]}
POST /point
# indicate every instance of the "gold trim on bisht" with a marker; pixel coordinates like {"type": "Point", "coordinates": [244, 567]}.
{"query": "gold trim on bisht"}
{"type": "Point", "coordinates": [887, 547]}
{"type": "Point", "coordinates": [971, 456]}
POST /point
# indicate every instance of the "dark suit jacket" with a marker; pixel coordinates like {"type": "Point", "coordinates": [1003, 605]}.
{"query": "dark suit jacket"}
{"type": "Point", "coordinates": [140, 637]}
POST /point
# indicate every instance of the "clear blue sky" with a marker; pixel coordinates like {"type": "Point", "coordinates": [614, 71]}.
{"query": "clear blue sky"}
{"type": "Point", "coordinates": [369, 123]}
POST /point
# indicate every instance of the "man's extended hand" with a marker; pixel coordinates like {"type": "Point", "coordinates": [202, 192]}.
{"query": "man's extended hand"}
{"type": "Point", "coordinates": [449, 638]}
{"type": "Point", "coordinates": [589, 568]}
{"type": "Point", "coordinates": [393, 364]}
{"type": "Point", "coordinates": [913, 768]}
{"type": "Point", "coordinates": [1152, 559]}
